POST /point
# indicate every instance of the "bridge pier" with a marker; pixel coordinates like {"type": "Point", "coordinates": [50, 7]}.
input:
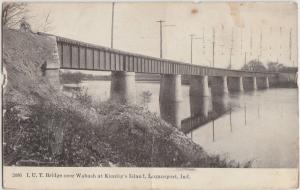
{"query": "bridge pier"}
{"type": "Point", "coordinates": [50, 68]}
{"type": "Point", "coordinates": [267, 82]}
{"type": "Point", "coordinates": [122, 87]}
{"type": "Point", "coordinates": [263, 82]}
{"type": "Point", "coordinates": [249, 83]}
{"type": "Point", "coordinates": [235, 84]}
{"type": "Point", "coordinates": [199, 86]}
{"type": "Point", "coordinates": [219, 85]}
{"type": "Point", "coordinates": [170, 99]}
{"type": "Point", "coordinates": [254, 83]}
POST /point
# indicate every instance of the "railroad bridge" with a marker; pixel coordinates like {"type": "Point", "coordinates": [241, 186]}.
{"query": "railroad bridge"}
{"type": "Point", "coordinates": [204, 81]}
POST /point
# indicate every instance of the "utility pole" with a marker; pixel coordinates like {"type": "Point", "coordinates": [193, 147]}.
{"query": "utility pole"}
{"type": "Point", "coordinates": [203, 41]}
{"type": "Point", "coordinates": [231, 48]}
{"type": "Point", "coordinates": [112, 25]}
{"type": "Point", "coordinates": [260, 43]}
{"type": "Point", "coordinates": [213, 49]}
{"type": "Point", "coordinates": [160, 31]}
{"type": "Point", "coordinates": [245, 58]}
{"type": "Point", "coordinates": [192, 38]}
{"type": "Point", "coordinates": [192, 35]}
{"type": "Point", "coordinates": [251, 41]}
{"type": "Point", "coordinates": [290, 44]}
{"type": "Point", "coordinates": [161, 35]}
{"type": "Point", "coordinates": [241, 41]}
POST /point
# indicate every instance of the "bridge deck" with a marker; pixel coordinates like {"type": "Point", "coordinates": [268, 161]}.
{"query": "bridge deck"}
{"type": "Point", "coordinates": [84, 56]}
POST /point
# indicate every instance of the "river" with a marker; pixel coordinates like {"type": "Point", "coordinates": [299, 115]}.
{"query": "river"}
{"type": "Point", "coordinates": [262, 126]}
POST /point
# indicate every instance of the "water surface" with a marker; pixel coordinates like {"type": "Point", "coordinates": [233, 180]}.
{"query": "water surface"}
{"type": "Point", "coordinates": [263, 125]}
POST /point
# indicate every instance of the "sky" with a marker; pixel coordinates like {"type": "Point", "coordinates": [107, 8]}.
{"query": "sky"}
{"type": "Point", "coordinates": [271, 26]}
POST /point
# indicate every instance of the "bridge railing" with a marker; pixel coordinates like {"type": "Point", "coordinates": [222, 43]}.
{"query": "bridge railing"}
{"type": "Point", "coordinates": [85, 56]}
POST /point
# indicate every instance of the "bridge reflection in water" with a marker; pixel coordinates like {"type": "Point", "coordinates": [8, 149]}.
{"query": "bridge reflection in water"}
{"type": "Point", "coordinates": [205, 110]}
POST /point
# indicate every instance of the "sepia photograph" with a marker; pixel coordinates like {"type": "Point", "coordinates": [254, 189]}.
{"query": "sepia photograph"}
{"type": "Point", "coordinates": [150, 85]}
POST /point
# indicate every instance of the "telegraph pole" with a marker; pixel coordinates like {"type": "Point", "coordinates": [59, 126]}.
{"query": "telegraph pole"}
{"type": "Point", "coordinates": [241, 41]}
{"type": "Point", "coordinates": [231, 48]}
{"type": "Point", "coordinates": [161, 35]}
{"type": "Point", "coordinates": [160, 31]}
{"type": "Point", "coordinates": [112, 25]}
{"type": "Point", "coordinates": [192, 38]}
{"type": "Point", "coordinates": [290, 44]}
{"type": "Point", "coordinates": [260, 43]}
{"type": "Point", "coordinates": [245, 58]}
{"type": "Point", "coordinates": [213, 49]}
{"type": "Point", "coordinates": [203, 41]}
{"type": "Point", "coordinates": [251, 41]}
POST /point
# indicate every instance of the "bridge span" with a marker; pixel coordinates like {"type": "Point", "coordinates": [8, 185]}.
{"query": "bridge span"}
{"type": "Point", "coordinates": [204, 81]}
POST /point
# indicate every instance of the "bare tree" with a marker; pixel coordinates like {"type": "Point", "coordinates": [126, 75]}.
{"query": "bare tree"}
{"type": "Point", "coordinates": [13, 13]}
{"type": "Point", "coordinates": [46, 26]}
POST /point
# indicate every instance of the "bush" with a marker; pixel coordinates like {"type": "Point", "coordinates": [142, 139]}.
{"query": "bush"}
{"type": "Point", "coordinates": [53, 135]}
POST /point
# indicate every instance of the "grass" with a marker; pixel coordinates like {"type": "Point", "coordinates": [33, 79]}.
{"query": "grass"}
{"type": "Point", "coordinates": [126, 136]}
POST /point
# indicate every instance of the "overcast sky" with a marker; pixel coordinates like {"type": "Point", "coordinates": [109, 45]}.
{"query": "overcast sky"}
{"type": "Point", "coordinates": [136, 29]}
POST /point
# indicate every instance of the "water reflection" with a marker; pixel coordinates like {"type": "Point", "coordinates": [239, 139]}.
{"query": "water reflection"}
{"type": "Point", "coordinates": [263, 122]}
{"type": "Point", "coordinates": [170, 111]}
{"type": "Point", "coordinates": [204, 110]}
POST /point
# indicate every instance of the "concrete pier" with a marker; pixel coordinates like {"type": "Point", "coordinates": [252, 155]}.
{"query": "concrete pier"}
{"type": "Point", "coordinates": [219, 85]}
{"type": "Point", "coordinates": [263, 82]}
{"type": "Point", "coordinates": [122, 87]}
{"type": "Point", "coordinates": [241, 84]}
{"type": "Point", "coordinates": [254, 83]}
{"type": "Point", "coordinates": [199, 86]}
{"type": "Point", "coordinates": [50, 68]}
{"type": "Point", "coordinates": [170, 99]}
{"type": "Point", "coordinates": [267, 82]}
{"type": "Point", "coordinates": [250, 83]}
{"type": "Point", "coordinates": [235, 84]}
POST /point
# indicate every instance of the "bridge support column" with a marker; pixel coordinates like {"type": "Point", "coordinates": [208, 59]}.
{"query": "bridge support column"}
{"type": "Point", "coordinates": [225, 86]}
{"type": "Point", "coordinates": [122, 87]}
{"type": "Point", "coordinates": [241, 84]}
{"type": "Point", "coordinates": [235, 84]}
{"type": "Point", "coordinates": [200, 95]}
{"type": "Point", "coordinates": [254, 83]}
{"type": "Point", "coordinates": [170, 99]}
{"type": "Point", "coordinates": [267, 82]}
{"type": "Point", "coordinates": [263, 82]}
{"type": "Point", "coordinates": [199, 86]}
{"type": "Point", "coordinates": [50, 67]}
{"type": "Point", "coordinates": [219, 86]}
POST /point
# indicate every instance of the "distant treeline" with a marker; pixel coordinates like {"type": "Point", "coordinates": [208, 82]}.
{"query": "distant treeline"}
{"type": "Point", "coordinates": [77, 77]}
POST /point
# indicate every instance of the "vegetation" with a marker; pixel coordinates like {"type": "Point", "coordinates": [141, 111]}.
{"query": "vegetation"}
{"type": "Point", "coordinates": [146, 98]}
{"type": "Point", "coordinates": [254, 65]}
{"type": "Point", "coordinates": [275, 66]}
{"type": "Point", "coordinates": [13, 13]}
{"type": "Point", "coordinates": [126, 136]}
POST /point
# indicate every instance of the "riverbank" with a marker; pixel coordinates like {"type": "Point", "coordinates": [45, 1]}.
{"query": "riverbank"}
{"type": "Point", "coordinates": [43, 127]}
